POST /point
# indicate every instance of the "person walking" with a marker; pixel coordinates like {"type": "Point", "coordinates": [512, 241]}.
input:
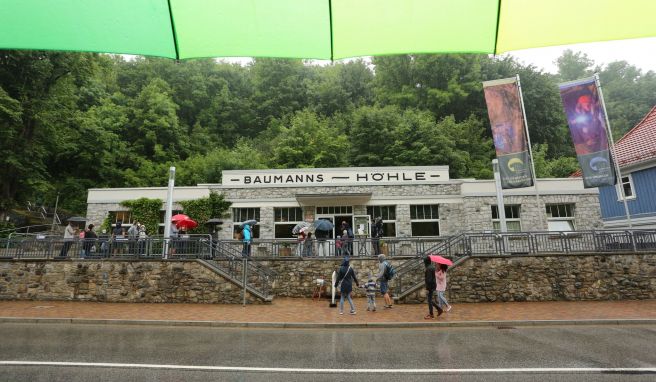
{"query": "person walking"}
{"type": "Point", "coordinates": [69, 235]}
{"type": "Point", "coordinates": [384, 282]}
{"type": "Point", "coordinates": [440, 276]}
{"type": "Point", "coordinates": [308, 245]}
{"type": "Point", "coordinates": [431, 285]}
{"type": "Point", "coordinates": [376, 235]}
{"type": "Point", "coordinates": [370, 287]}
{"type": "Point", "coordinates": [345, 279]}
{"type": "Point", "coordinates": [133, 234]}
{"type": "Point", "coordinates": [141, 246]}
{"type": "Point", "coordinates": [246, 250]}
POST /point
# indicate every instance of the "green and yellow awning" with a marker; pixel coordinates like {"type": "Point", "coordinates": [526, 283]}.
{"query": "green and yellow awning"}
{"type": "Point", "coordinates": [320, 29]}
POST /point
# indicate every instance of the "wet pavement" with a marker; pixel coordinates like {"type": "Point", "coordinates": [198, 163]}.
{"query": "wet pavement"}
{"type": "Point", "coordinates": [288, 310]}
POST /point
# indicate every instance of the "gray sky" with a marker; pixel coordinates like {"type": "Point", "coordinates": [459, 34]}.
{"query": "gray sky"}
{"type": "Point", "coordinates": [638, 52]}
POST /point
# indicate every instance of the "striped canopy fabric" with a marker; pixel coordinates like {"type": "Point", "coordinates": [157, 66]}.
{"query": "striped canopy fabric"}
{"type": "Point", "coordinates": [317, 29]}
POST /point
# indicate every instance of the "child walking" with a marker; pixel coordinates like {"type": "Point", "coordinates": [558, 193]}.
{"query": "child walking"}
{"type": "Point", "coordinates": [440, 278]}
{"type": "Point", "coordinates": [371, 288]}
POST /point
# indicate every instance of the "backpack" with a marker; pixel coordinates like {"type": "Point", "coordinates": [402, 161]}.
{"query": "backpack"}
{"type": "Point", "coordinates": [389, 272]}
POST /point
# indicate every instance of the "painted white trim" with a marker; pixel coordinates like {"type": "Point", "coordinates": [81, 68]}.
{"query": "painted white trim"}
{"type": "Point", "coordinates": [619, 189]}
{"type": "Point", "coordinates": [518, 370]}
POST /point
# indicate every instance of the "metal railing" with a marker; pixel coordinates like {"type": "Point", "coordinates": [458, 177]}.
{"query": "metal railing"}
{"type": "Point", "coordinates": [205, 247]}
{"type": "Point", "coordinates": [457, 248]}
{"type": "Point", "coordinates": [358, 247]}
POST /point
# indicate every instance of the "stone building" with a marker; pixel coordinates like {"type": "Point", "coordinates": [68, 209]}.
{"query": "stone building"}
{"type": "Point", "coordinates": [420, 201]}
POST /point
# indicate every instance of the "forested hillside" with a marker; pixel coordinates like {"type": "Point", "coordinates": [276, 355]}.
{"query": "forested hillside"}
{"type": "Point", "coordinates": [72, 121]}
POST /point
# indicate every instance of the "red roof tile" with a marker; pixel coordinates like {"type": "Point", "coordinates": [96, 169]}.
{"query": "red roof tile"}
{"type": "Point", "coordinates": [638, 145]}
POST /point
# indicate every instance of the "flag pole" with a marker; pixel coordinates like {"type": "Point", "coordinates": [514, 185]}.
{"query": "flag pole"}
{"type": "Point", "coordinates": [530, 153]}
{"type": "Point", "coordinates": [612, 152]}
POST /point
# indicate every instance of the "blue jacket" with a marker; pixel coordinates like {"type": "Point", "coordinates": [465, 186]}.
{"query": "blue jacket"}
{"type": "Point", "coordinates": [247, 233]}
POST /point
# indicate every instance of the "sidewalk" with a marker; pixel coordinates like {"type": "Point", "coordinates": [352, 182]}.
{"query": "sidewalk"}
{"type": "Point", "coordinates": [287, 312]}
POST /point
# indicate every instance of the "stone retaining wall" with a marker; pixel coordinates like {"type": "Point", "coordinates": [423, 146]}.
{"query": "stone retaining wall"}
{"type": "Point", "coordinates": [551, 278]}
{"type": "Point", "coordinates": [116, 281]}
{"type": "Point", "coordinates": [480, 279]}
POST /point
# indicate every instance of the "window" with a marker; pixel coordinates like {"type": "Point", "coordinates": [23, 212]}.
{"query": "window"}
{"type": "Point", "coordinates": [424, 220]}
{"type": "Point", "coordinates": [560, 217]}
{"type": "Point", "coordinates": [336, 210]}
{"type": "Point", "coordinates": [125, 217]}
{"type": "Point", "coordinates": [162, 218]}
{"type": "Point", "coordinates": [388, 213]}
{"type": "Point", "coordinates": [285, 218]}
{"type": "Point", "coordinates": [240, 215]}
{"type": "Point", "coordinates": [513, 222]}
{"type": "Point", "coordinates": [625, 188]}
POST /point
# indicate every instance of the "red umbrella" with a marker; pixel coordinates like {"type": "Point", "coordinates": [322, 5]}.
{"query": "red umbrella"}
{"type": "Point", "coordinates": [440, 260]}
{"type": "Point", "coordinates": [186, 224]}
{"type": "Point", "coordinates": [178, 217]}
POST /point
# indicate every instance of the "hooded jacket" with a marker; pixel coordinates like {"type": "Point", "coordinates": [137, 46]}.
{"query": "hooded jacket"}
{"type": "Point", "coordinates": [347, 276]}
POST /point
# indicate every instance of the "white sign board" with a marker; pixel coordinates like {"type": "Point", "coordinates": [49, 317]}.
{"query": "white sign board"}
{"type": "Point", "coordinates": [337, 176]}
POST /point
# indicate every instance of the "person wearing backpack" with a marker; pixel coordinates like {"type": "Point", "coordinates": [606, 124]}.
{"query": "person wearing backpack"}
{"type": "Point", "coordinates": [385, 274]}
{"type": "Point", "coordinates": [345, 279]}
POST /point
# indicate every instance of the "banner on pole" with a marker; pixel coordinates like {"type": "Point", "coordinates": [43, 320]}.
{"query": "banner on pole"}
{"type": "Point", "coordinates": [508, 132]}
{"type": "Point", "coordinates": [587, 125]}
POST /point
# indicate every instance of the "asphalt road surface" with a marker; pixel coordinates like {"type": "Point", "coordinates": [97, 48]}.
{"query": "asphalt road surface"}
{"type": "Point", "coordinates": [63, 352]}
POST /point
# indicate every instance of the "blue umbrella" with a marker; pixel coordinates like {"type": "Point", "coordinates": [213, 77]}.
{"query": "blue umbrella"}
{"type": "Point", "coordinates": [322, 225]}
{"type": "Point", "coordinates": [248, 222]}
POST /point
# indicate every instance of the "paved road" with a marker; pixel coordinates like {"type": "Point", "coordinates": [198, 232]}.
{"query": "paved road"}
{"type": "Point", "coordinates": [136, 353]}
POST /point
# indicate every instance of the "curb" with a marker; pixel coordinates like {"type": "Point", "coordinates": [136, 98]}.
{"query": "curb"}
{"type": "Point", "coordinates": [316, 325]}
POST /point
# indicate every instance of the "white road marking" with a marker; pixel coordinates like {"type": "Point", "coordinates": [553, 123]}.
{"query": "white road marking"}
{"type": "Point", "coordinates": [538, 370]}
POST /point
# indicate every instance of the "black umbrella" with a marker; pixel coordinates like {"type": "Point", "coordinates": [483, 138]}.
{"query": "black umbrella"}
{"type": "Point", "coordinates": [214, 221]}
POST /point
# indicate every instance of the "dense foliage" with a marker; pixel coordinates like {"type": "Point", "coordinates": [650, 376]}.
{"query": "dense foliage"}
{"type": "Point", "coordinates": [203, 209]}
{"type": "Point", "coordinates": [72, 121]}
{"type": "Point", "coordinates": [145, 211]}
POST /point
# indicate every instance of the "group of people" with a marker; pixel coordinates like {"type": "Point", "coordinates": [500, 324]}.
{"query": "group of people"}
{"type": "Point", "coordinates": [435, 279]}
{"type": "Point", "coordinates": [134, 236]}
{"type": "Point", "coordinates": [347, 277]}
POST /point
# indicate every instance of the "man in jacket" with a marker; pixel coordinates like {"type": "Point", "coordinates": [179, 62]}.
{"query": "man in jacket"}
{"type": "Point", "coordinates": [431, 284]}
{"type": "Point", "coordinates": [376, 235]}
{"type": "Point", "coordinates": [384, 282]}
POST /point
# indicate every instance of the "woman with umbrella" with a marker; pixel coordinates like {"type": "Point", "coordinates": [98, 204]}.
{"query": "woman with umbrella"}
{"type": "Point", "coordinates": [440, 278]}
{"type": "Point", "coordinates": [346, 276]}
{"type": "Point", "coordinates": [247, 233]}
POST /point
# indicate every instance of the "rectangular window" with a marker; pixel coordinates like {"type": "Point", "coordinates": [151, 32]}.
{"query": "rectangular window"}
{"type": "Point", "coordinates": [388, 213]}
{"type": "Point", "coordinates": [560, 217]}
{"type": "Point", "coordinates": [424, 220]}
{"type": "Point", "coordinates": [285, 218]}
{"type": "Point", "coordinates": [335, 210]}
{"type": "Point", "coordinates": [513, 222]}
{"type": "Point", "coordinates": [625, 188]}
{"type": "Point", "coordinates": [125, 217]}
{"type": "Point", "coordinates": [240, 215]}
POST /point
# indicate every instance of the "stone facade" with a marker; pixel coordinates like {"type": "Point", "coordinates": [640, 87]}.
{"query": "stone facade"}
{"type": "Point", "coordinates": [477, 213]}
{"type": "Point", "coordinates": [463, 204]}
{"type": "Point", "coordinates": [117, 281]}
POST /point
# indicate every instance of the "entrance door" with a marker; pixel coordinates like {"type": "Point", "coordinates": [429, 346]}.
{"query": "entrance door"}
{"type": "Point", "coordinates": [338, 223]}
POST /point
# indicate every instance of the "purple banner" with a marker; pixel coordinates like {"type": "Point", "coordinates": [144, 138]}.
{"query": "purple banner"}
{"type": "Point", "coordinates": [587, 125]}
{"type": "Point", "coordinates": [508, 132]}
